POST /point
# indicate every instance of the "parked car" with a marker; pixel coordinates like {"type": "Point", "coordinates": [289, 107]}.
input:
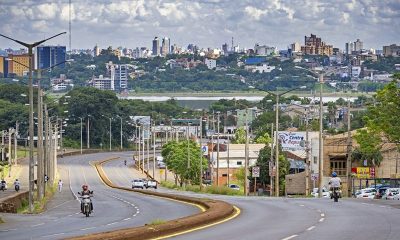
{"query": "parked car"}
{"type": "Point", "coordinates": [151, 184]}
{"type": "Point", "coordinates": [390, 193]}
{"type": "Point", "coordinates": [380, 192]}
{"type": "Point", "coordinates": [234, 187]}
{"type": "Point", "coordinates": [367, 193]}
{"type": "Point", "coordinates": [396, 197]}
{"type": "Point", "coordinates": [137, 183]}
{"type": "Point", "coordinates": [325, 193]}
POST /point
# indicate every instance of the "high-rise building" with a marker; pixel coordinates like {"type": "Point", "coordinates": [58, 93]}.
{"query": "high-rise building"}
{"type": "Point", "coordinates": [165, 46]}
{"type": "Point", "coordinates": [225, 48]}
{"type": "Point", "coordinates": [96, 51]}
{"type": "Point", "coordinates": [48, 56]}
{"type": "Point", "coordinates": [349, 48]}
{"type": "Point", "coordinates": [2, 63]}
{"type": "Point", "coordinates": [358, 45]}
{"type": "Point", "coordinates": [295, 47]}
{"type": "Point", "coordinates": [391, 50]}
{"type": "Point", "coordinates": [156, 46]}
{"type": "Point", "coordinates": [264, 50]}
{"type": "Point", "coordinates": [313, 45]}
{"type": "Point", "coordinates": [16, 68]}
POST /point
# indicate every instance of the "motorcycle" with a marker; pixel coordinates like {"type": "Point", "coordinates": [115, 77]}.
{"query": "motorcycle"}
{"type": "Point", "coordinates": [87, 204]}
{"type": "Point", "coordinates": [3, 186]}
{"type": "Point", "coordinates": [17, 187]}
{"type": "Point", "coordinates": [335, 194]}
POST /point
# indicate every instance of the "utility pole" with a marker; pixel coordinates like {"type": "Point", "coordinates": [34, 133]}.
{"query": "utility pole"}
{"type": "Point", "coordinates": [307, 170]}
{"type": "Point", "coordinates": [40, 160]}
{"type": "Point", "coordinates": [271, 164]}
{"type": "Point", "coordinates": [46, 144]}
{"type": "Point", "coordinates": [277, 147]}
{"type": "Point", "coordinates": [88, 132]}
{"type": "Point", "coordinates": [201, 154]}
{"type": "Point", "coordinates": [143, 149]}
{"type": "Point", "coordinates": [154, 151]}
{"type": "Point", "coordinates": [246, 159]}
{"type": "Point", "coordinates": [148, 149]}
{"type": "Point", "coordinates": [139, 147]}
{"type": "Point", "coordinates": [110, 134]}
{"type": "Point", "coordinates": [10, 131]}
{"type": "Point", "coordinates": [81, 135]}
{"type": "Point", "coordinates": [121, 132]}
{"type": "Point", "coordinates": [218, 148]}
{"type": "Point", "coordinates": [16, 143]}
{"type": "Point", "coordinates": [349, 148]}
{"type": "Point", "coordinates": [228, 162]}
{"type": "Point", "coordinates": [321, 147]}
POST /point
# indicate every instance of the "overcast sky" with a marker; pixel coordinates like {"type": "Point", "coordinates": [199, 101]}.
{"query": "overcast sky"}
{"type": "Point", "coordinates": [207, 23]}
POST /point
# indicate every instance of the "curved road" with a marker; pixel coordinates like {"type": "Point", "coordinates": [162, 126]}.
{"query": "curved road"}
{"type": "Point", "coordinates": [285, 218]}
{"type": "Point", "coordinates": [113, 209]}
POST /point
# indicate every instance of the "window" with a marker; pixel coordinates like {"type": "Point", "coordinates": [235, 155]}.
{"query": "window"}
{"type": "Point", "coordinates": [239, 163]}
{"type": "Point", "coordinates": [224, 175]}
{"type": "Point", "coordinates": [315, 160]}
{"type": "Point", "coordinates": [339, 166]}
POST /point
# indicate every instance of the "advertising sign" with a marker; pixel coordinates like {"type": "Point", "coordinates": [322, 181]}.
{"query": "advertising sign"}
{"type": "Point", "coordinates": [292, 141]}
{"type": "Point", "coordinates": [363, 172]}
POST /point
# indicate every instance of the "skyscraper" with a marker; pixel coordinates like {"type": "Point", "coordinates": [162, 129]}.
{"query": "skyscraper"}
{"type": "Point", "coordinates": [166, 46]}
{"type": "Point", "coordinates": [48, 56]}
{"type": "Point", "coordinates": [156, 47]}
{"type": "Point", "coordinates": [358, 45]}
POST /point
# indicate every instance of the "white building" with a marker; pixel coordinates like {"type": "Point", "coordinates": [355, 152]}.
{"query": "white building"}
{"type": "Point", "coordinates": [264, 50]}
{"type": "Point", "coordinates": [260, 69]}
{"type": "Point", "coordinates": [102, 83]}
{"type": "Point", "coordinates": [355, 71]}
{"type": "Point", "coordinates": [210, 63]}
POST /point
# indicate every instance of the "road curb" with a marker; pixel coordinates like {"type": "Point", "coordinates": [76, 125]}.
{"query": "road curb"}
{"type": "Point", "coordinates": [215, 212]}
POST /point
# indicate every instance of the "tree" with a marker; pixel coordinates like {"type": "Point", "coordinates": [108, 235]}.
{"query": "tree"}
{"type": "Point", "coordinates": [369, 147]}
{"type": "Point", "coordinates": [265, 139]}
{"type": "Point", "coordinates": [176, 158]}
{"type": "Point", "coordinates": [240, 136]}
{"type": "Point", "coordinates": [263, 160]}
{"type": "Point", "coordinates": [383, 116]}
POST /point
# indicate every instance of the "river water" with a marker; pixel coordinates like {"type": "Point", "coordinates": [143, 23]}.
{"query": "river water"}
{"type": "Point", "coordinates": [200, 102]}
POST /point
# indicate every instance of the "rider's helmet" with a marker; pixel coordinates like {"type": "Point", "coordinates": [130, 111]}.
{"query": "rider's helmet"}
{"type": "Point", "coordinates": [16, 180]}
{"type": "Point", "coordinates": [85, 187]}
{"type": "Point", "coordinates": [334, 174]}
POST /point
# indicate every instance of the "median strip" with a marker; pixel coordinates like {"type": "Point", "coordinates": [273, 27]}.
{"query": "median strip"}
{"type": "Point", "coordinates": [215, 212]}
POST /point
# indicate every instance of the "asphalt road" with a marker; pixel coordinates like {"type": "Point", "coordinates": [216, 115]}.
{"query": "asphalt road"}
{"type": "Point", "coordinates": [292, 218]}
{"type": "Point", "coordinates": [113, 209]}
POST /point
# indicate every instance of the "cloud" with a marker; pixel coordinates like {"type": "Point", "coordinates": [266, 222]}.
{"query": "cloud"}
{"type": "Point", "coordinates": [208, 23]}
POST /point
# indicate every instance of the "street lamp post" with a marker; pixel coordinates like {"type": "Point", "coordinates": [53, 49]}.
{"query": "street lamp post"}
{"type": "Point", "coordinates": [81, 135]}
{"type": "Point", "coordinates": [218, 148]}
{"type": "Point", "coordinates": [31, 123]}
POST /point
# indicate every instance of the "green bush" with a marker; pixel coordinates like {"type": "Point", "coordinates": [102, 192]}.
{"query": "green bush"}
{"type": "Point", "coordinates": [222, 190]}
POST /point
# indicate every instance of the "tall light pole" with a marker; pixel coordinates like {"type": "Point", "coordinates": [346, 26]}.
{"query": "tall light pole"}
{"type": "Point", "coordinates": [218, 147]}
{"type": "Point", "coordinates": [277, 96]}
{"type": "Point", "coordinates": [31, 123]}
{"type": "Point", "coordinates": [81, 135]}
{"type": "Point", "coordinates": [246, 158]}
{"type": "Point", "coordinates": [120, 118]}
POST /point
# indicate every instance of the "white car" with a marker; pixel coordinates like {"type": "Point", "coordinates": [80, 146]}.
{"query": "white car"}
{"type": "Point", "coordinates": [396, 197]}
{"type": "Point", "coordinates": [151, 184]}
{"type": "Point", "coordinates": [137, 183]}
{"type": "Point", "coordinates": [325, 193]}
{"type": "Point", "coordinates": [367, 193]}
{"type": "Point", "coordinates": [234, 187]}
{"type": "Point", "coordinates": [390, 193]}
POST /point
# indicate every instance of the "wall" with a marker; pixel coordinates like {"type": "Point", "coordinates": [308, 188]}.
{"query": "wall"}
{"type": "Point", "coordinates": [11, 203]}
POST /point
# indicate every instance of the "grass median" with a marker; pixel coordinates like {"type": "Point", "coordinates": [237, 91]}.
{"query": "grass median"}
{"type": "Point", "coordinates": [222, 190]}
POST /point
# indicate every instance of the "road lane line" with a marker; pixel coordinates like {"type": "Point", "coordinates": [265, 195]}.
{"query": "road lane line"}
{"type": "Point", "coordinates": [290, 237]}
{"type": "Point", "coordinates": [111, 223]}
{"type": "Point", "coordinates": [310, 228]}
{"type": "Point", "coordinates": [39, 224]}
{"type": "Point", "coordinates": [70, 185]}
{"type": "Point", "coordinates": [301, 205]}
{"type": "Point", "coordinates": [83, 229]}
{"type": "Point", "coordinates": [126, 219]}
{"type": "Point", "coordinates": [322, 214]}
{"type": "Point", "coordinates": [322, 219]}
{"type": "Point", "coordinates": [52, 235]}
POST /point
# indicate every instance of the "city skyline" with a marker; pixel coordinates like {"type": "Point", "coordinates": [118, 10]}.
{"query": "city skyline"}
{"type": "Point", "coordinates": [206, 23]}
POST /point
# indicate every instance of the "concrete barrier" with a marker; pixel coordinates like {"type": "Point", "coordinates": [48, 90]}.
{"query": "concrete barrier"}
{"type": "Point", "coordinates": [11, 203]}
{"type": "Point", "coordinates": [214, 211]}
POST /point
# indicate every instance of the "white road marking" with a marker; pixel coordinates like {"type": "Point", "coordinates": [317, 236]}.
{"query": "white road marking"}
{"type": "Point", "coordinates": [301, 205]}
{"type": "Point", "coordinates": [83, 229]}
{"type": "Point", "coordinates": [52, 235]}
{"type": "Point", "coordinates": [7, 230]}
{"type": "Point", "coordinates": [37, 224]}
{"type": "Point", "coordinates": [126, 219]}
{"type": "Point", "coordinates": [290, 237]}
{"type": "Point", "coordinates": [322, 219]}
{"type": "Point", "coordinates": [70, 185]}
{"type": "Point", "coordinates": [322, 214]}
{"type": "Point", "coordinates": [112, 223]}
{"type": "Point", "coordinates": [310, 228]}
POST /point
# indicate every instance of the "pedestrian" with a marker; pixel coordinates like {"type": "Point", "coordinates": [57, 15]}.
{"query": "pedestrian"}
{"type": "Point", "coordinates": [60, 184]}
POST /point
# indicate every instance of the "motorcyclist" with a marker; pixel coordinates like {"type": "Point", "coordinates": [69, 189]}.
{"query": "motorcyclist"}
{"type": "Point", "coordinates": [3, 184]}
{"type": "Point", "coordinates": [16, 185]}
{"type": "Point", "coordinates": [125, 162]}
{"type": "Point", "coordinates": [335, 182]}
{"type": "Point", "coordinates": [86, 191]}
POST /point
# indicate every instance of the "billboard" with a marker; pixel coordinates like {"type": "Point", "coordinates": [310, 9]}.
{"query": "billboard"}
{"type": "Point", "coordinates": [292, 141]}
{"type": "Point", "coordinates": [363, 172]}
